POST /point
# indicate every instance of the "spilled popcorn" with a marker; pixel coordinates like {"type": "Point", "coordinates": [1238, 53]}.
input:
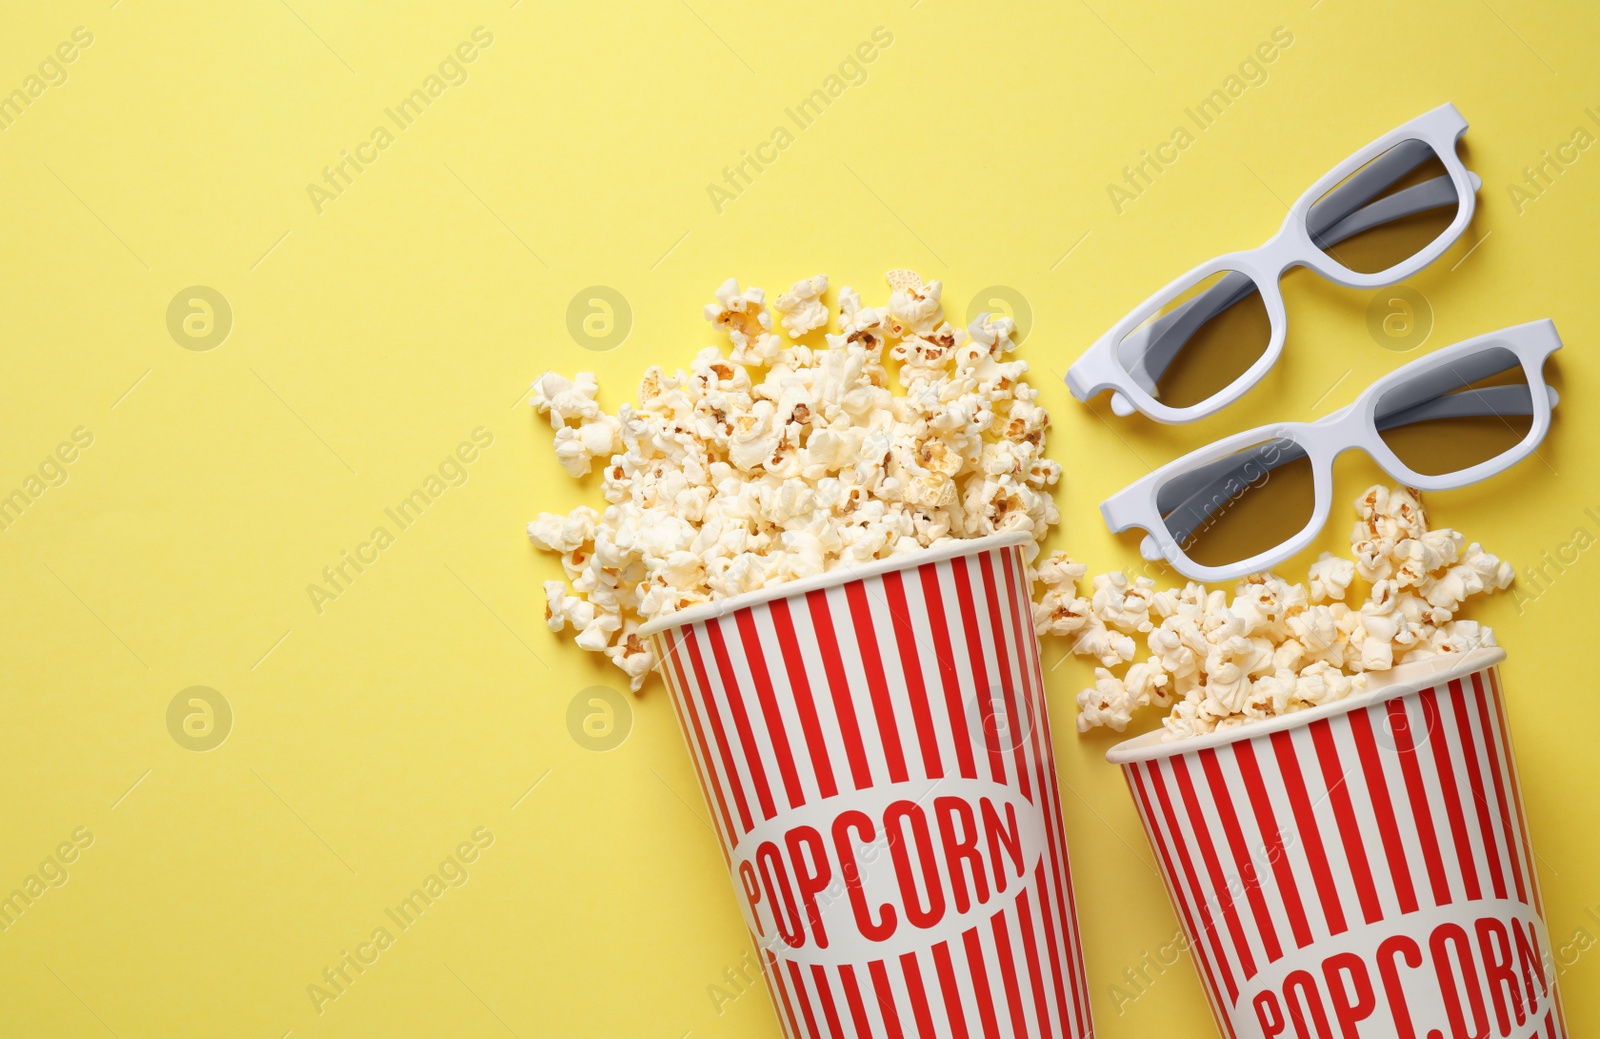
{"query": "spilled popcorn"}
{"type": "Point", "coordinates": [1275, 647]}
{"type": "Point", "coordinates": [721, 481]}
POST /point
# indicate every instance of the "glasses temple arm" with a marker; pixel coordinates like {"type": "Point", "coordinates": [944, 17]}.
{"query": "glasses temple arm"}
{"type": "Point", "coordinates": [1445, 379]}
{"type": "Point", "coordinates": [1467, 403]}
{"type": "Point", "coordinates": [1365, 184]}
{"type": "Point", "coordinates": [1419, 198]}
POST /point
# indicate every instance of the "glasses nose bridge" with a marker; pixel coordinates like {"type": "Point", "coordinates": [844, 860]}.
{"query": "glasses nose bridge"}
{"type": "Point", "coordinates": [1281, 253]}
{"type": "Point", "coordinates": [1345, 430]}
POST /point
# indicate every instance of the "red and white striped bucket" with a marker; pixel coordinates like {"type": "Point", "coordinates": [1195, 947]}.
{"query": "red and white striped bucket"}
{"type": "Point", "coordinates": [874, 752]}
{"type": "Point", "coordinates": [1358, 870]}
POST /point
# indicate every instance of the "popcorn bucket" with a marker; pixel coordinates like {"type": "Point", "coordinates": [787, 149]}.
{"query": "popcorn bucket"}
{"type": "Point", "coordinates": [1360, 869]}
{"type": "Point", "coordinates": [874, 752]}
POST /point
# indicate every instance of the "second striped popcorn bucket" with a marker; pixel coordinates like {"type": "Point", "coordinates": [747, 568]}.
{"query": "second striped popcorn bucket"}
{"type": "Point", "coordinates": [874, 752]}
{"type": "Point", "coordinates": [1360, 869]}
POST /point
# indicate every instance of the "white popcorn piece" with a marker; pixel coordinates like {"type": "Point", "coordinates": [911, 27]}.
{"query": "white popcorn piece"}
{"type": "Point", "coordinates": [1121, 605]}
{"type": "Point", "coordinates": [577, 446]}
{"type": "Point", "coordinates": [734, 306]}
{"type": "Point", "coordinates": [1113, 700]}
{"type": "Point", "coordinates": [1272, 695]}
{"type": "Point", "coordinates": [1478, 571]}
{"type": "Point", "coordinates": [854, 318]}
{"type": "Point", "coordinates": [1229, 666]}
{"type": "Point", "coordinates": [596, 635]}
{"type": "Point", "coordinates": [1174, 645]}
{"type": "Point", "coordinates": [758, 351]}
{"type": "Point", "coordinates": [564, 400]}
{"type": "Point", "coordinates": [556, 533]}
{"type": "Point", "coordinates": [1093, 638]}
{"type": "Point", "coordinates": [924, 357]}
{"type": "Point", "coordinates": [1323, 683]}
{"type": "Point", "coordinates": [990, 338]}
{"type": "Point", "coordinates": [1060, 613]}
{"type": "Point", "coordinates": [633, 655]}
{"type": "Point", "coordinates": [914, 308]}
{"type": "Point", "coordinates": [755, 438]}
{"type": "Point", "coordinates": [1330, 577]}
{"type": "Point", "coordinates": [1058, 569]}
{"type": "Point", "coordinates": [1189, 717]}
{"type": "Point", "coordinates": [800, 309]}
{"type": "Point", "coordinates": [562, 608]}
{"type": "Point", "coordinates": [743, 315]}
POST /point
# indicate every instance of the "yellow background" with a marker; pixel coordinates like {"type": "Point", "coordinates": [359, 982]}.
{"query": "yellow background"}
{"type": "Point", "coordinates": [370, 739]}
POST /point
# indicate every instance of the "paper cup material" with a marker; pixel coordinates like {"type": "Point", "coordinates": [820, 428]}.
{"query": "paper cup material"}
{"type": "Point", "coordinates": [876, 760]}
{"type": "Point", "coordinates": [1359, 870]}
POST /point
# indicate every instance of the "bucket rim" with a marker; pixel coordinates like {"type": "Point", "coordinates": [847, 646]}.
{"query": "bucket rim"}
{"type": "Point", "coordinates": [839, 575]}
{"type": "Point", "coordinates": [1403, 680]}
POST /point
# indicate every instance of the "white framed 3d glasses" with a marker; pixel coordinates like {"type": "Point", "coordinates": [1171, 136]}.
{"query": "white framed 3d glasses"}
{"type": "Point", "coordinates": [1205, 339]}
{"type": "Point", "coordinates": [1250, 501]}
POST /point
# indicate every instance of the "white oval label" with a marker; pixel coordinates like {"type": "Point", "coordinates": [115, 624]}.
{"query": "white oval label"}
{"type": "Point", "coordinates": [880, 872]}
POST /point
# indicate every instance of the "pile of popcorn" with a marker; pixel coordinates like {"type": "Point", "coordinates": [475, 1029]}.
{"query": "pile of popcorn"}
{"type": "Point", "coordinates": [782, 460]}
{"type": "Point", "coordinates": [1275, 647]}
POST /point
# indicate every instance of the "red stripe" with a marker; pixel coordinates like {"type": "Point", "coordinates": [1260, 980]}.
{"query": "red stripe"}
{"type": "Point", "coordinates": [1400, 725]}
{"type": "Point", "coordinates": [733, 696]}
{"type": "Point", "coordinates": [799, 984]}
{"type": "Point", "coordinates": [905, 638]}
{"type": "Point", "coordinates": [1550, 1026]}
{"type": "Point", "coordinates": [1383, 809]}
{"type": "Point", "coordinates": [1516, 789]}
{"type": "Point", "coordinates": [1044, 761]}
{"type": "Point", "coordinates": [933, 599]}
{"type": "Point", "coordinates": [980, 983]}
{"type": "Point", "coordinates": [1452, 789]}
{"type": "Point", "coordinates": [1030, 951]}
{"type": "Point", "coordinates": [886, 1000]}
{"type": "Point", "coordinates": [997, 631]}
{"type": "Point", "coordinates": [712, 785]}
{"type": "Point", "coordinates": [750, 640]}
{"type": "Point", "coordinates": [1060, 976]}
{"type": "Point", "coordinates": [1175, 889]}
{"type": "Point", "coordinates": [975, 657]}
{"type": "Point", "coordinates": [830, 1012]}
{"type": "Point", "coordinates": [1272, 837]}
{"type": "Point", "coordinates": [950, 991]}
{"type": "Point", "coordinates": [855, 594]}
{"type": "Point", "coordinates": [1355, 849]}
{"type": "Point", "coordinates": [800, 685]}
{"type": "Point", "coordinates": [729, 773]}
{"type": "Point", "coordinates": [1008, 976]}
{"type": "Point", "coordinates": [775, 976]}
{"type": "Point", "coordinates": [1306, 824]}
{"type": "Point", "coordinates": [1491, 741]}
{"type": "Point", "coordinates": [855, 750]}
{"type": "Point", "coordinates": [1193, 881]}
{"type": "Point", "coordinates": [1213, 865]}
{"type": "Point", "coordinates": [912, 972]}
{"type": "Point", "coordinates": [675, 696]}
{"type": "Point", "coordinates": [1469, 751]}
{"type": "Point", "coordinates": [1242, 861]}
{"type": "Point", "coordinates": [852, 998]}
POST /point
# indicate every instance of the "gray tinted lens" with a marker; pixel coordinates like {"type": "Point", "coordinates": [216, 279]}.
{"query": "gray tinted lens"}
{"type": "Point", "coordinates": [1200, 341]}
{"type": "Point", "coordinates": [1459, 415]}
{"type": "Point", "coordinates": [1239, 506]}
{"type": "Point", "coordinates": [1387, 211]}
